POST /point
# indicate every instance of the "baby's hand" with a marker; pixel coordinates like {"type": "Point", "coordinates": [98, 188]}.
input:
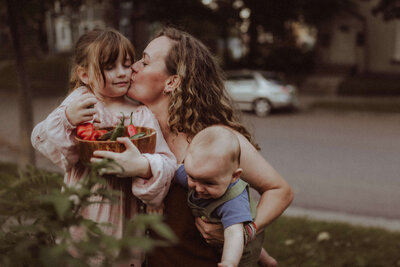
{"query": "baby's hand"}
{"type": "Point", "coordinates": [226, 264]}
{"type": "Point", "coordinates": [82, 110]}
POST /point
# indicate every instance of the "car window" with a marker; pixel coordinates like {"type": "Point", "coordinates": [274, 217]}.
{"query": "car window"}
{"type": "Point", "coordinates": [277, 78]}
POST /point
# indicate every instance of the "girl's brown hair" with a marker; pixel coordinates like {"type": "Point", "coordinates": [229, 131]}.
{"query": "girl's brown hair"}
{"type": "Point", "coordinates": [201, 99]}
{"type": "Point", "coordinates": [95, 51]}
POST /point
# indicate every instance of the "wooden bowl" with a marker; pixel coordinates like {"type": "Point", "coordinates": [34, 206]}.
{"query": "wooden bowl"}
{"type": "Point", "coordinates": [145, 144]}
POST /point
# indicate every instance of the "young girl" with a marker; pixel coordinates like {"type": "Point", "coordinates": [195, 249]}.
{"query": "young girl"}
{"type": "Point", "coordinates": [100, 78]}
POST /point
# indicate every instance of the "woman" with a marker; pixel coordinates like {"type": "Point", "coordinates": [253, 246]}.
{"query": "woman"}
{"type": "Point", "coordinates": [180, 82]}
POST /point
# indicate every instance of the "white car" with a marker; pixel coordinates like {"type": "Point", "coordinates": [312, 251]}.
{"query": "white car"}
{"type": "Point", "coordinates": [260, 91]}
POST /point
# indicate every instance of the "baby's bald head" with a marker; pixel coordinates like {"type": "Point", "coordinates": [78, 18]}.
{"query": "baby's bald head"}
{"type": "Point", "coordinates": [216, 142]}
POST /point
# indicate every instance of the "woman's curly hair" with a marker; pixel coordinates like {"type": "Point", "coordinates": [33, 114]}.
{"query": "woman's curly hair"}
{"type": "Point", "coordinates": [201, 99]}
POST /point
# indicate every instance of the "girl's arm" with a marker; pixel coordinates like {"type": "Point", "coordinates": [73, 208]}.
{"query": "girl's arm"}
{"type": "Point", "coordinates": [54, 137]}
{"type": "Point", "coordinates": [233, 246]}
{"type": "Point", "coordinates": [276, 194]}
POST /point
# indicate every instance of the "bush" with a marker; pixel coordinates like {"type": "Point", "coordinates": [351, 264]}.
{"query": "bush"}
{"type": "Point", "coordinates": [36, 215]}
{"type": "Point", "coordinates": [371, 85]}
{"type": "Point", "coordinates": [290, 60]}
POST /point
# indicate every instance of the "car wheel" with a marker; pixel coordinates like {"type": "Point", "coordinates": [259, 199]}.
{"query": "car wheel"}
{"type": "Point", "coordinates": [262, 107]}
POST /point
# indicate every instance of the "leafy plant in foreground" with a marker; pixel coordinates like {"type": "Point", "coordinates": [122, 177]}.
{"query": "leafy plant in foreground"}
{"type": "Point", "coordinates": [37, 211]}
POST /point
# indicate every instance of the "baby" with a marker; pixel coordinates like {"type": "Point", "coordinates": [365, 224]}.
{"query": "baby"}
{"type": "Point", "coordinates": [211, 173]}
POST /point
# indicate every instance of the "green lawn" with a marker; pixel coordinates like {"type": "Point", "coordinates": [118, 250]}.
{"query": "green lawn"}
{"type": "Point", "coordinates": [303, 242]}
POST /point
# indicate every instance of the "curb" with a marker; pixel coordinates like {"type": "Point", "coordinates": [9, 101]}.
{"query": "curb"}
{"type": "Point", "coordinates": [352, 219]}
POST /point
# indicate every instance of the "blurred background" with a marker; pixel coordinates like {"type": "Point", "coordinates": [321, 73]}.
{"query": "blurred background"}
{"type": "Point", "coordinates": [318, 83]}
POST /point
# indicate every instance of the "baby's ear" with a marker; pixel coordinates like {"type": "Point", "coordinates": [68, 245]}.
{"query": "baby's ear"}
{"type": "Point", "coordinates": [83, 75]}
{"type": "Point", "coordinates": [236, 174]}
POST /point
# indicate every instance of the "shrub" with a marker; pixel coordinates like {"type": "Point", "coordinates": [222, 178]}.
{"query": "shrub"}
{"type": "Point", "coordinates": [372, 85]}
{"type": "Point", "coordinates": [36, 215]}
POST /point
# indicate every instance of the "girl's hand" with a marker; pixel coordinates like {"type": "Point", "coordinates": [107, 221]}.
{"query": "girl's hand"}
{"type": "Point", "coordinates": [131, 160]}
{"type": "Point", "coordinates": [81, 111]}
{"type": "Point", "coordinates": [213, 233]}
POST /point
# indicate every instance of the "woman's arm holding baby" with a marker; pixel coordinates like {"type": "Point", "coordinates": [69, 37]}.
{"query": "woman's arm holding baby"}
{"type": "Point", "coordinates": [276, 194]}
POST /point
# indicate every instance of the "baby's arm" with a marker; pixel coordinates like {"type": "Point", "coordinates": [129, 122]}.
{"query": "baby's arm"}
{"type": "Point", "coordinates": [233, 246]}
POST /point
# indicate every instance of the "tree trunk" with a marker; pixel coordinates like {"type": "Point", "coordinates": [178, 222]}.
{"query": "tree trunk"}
{"type": "Point", "coordinates": [42, 34]}
{"type": "Point", "coordinates": [26, 151]}
{"type": "Point", "coordinates": [115, 6]}
{"type": "Point", "coordinates": [253, 44]}
{"type": "Point", "coordinates": [139, 27]}
{"type": "Point", "coordinates": [226, 52]}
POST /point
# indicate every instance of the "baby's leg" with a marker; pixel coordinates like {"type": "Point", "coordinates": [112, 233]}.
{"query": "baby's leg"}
{"type": "Point", "coordinates": [265, 260]}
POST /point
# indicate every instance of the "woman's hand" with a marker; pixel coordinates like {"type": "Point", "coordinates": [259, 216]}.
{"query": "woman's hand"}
{"type": "Point", "coordinates": [81, 111]}
{"type": "Point", "coordinates": [213, 233]}
{"type": "Point", "coordinates": [131, 161]}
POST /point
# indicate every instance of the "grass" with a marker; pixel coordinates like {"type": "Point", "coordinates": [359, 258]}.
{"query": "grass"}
{"type": "Point", "coordinates": [303, 242]}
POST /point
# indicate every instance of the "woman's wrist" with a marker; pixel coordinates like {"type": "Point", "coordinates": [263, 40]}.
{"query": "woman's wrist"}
{"type": "Point", "coordinates": [249, 231]}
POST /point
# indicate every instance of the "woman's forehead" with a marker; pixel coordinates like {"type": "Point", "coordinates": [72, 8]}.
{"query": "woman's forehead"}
{"type": "Point", "coordinates": [158, 47]}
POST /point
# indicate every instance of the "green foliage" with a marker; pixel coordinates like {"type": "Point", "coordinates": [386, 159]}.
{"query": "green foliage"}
{"type": "Point", "coordinates": [390, 9]}
{"type": "Point", "coordinates": [37, 210]}
{"type": "Point", "coordinates": [303, 242]}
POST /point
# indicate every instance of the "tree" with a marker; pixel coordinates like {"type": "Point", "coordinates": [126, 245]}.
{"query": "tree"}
{"type": "Point", "coordinates": [274, 16]}
{"type": "Point", "coordinates": [188, 15]}
{"type": "Point", "coordinates": [390, 9]}
{"type": "Point", "coordinates": [15, 22]}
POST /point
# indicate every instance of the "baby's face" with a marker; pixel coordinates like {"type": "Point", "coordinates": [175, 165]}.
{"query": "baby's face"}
{"type": "Point", "coordinates": [209, 178]}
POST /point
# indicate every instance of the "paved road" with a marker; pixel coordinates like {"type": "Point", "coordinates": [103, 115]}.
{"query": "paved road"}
{"type": "Point", "coordinates": [342, 162]}
{"type": "Point", "coordinates": [345, 163]}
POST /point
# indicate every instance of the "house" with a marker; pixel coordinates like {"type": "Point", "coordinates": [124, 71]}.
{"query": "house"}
{"type": "Point", "coordinates": [359, 42]}
{"type": "Point", "coordinates": [65, 24]}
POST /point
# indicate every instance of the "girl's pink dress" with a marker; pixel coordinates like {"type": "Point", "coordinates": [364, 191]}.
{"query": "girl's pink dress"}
{"type": "Point", "coordinates": [54, 138]}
